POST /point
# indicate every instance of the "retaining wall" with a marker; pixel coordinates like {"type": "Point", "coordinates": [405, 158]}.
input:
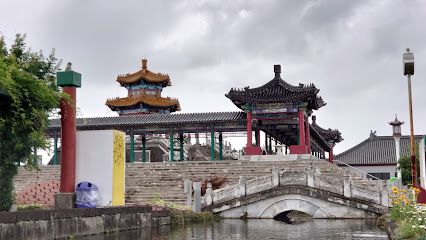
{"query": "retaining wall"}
{"type": "Point", "coordinates": [52, 224]}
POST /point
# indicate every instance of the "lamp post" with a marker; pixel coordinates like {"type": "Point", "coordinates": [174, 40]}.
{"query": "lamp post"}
{"type": "Point", "coordinates": [396, 129]}
{"type": "Point", "coordinates": [408, 61]}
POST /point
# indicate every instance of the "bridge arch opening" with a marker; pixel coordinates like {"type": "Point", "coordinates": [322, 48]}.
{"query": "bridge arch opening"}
{"type": "Point", "coordinates": [293, 217]}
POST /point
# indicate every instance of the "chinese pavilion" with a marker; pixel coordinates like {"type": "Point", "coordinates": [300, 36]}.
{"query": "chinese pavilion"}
{"type": "Point", "coordinates": [144, 94]}
{"type": "Point", "coordinates": [282, 111]}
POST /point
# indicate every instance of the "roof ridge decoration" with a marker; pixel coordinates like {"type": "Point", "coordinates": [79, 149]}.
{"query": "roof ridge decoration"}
{"type": "Point", "coordinates": [332, 136]}
{"type": "Point", "coordinates": [396, 121]}
{"type": "Point", "coordinates": [277, 90]}
{"type": "Point", "coordinates": [144, 75]}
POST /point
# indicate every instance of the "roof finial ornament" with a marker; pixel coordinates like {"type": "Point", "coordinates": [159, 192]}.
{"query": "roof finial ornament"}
{"type": "Point", "coordinates": [372, 134]}
{"type": "Point", "coordinates": [277, 70]}
{"type": "Point", "coordinates": [144, 63]}
{"type": "Point", "coordinates": [68, 68]}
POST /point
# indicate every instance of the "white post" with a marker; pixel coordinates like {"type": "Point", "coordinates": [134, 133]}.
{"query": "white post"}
{"type": "Point", "coordinates": [209, 194]}
{"type": "Point", "coordinates": [422, 162]}
{"type": "Point", "coordinates": [197, 196]}
{"type": "Point", "coordinates": [241, 187]}
{"type": "Point", "coordinates": [347, 190]}
{"type": "Point", "coordinates": [187, 188]}
{"type": "Point", "coordinates": [384, 194]}
{"type": "Point", "coordinates": [398, 155]}
{"type": "Point", "coordinates": [275, 177]}
{"type": "Point", "coordinates": [310, 177]}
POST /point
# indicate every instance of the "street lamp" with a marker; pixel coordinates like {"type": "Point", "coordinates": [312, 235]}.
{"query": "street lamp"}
{"type": "Point", "coordinates": [396, 129]}
{"type": "Point", "coordinates": [408, 61]}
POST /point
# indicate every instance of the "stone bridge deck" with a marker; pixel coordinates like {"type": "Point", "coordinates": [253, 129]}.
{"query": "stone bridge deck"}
{"type": "Point", "coordinates": [312, 189]}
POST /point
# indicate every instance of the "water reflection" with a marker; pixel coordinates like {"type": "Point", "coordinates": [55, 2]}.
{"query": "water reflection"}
{"type": "Point", "coordinates": [258, 229]}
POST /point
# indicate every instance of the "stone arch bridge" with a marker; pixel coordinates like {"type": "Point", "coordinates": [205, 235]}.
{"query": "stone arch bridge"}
{"type": "Point", "coordinates": [318, 191]}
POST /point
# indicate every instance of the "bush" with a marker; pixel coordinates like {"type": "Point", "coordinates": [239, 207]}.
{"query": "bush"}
{"type": "Point", "coordinates": [182, 217]}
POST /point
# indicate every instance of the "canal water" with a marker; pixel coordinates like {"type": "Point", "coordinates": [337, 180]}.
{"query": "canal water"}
{"type": "Point", "coordinates": [257, 229]}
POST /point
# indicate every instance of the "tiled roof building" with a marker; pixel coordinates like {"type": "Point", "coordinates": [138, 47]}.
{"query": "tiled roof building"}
{"type": "Point", "coordinates": [144, 94]}
{"type": "Point", "coordinates": [376, 151]}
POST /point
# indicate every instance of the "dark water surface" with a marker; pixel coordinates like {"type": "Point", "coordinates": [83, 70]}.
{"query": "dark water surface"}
{"type": "Point", "coordinates": [258, 229]}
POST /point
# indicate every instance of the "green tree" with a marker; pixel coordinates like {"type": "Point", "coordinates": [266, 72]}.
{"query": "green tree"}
{"type": "Point", "coordinates": [29, 94]}
{"type": "Point", "coordinates": [405, 167]}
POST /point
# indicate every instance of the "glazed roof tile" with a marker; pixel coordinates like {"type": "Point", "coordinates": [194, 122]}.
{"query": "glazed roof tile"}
{"type": "Point", "coordinates": [145, 75]}
{"type": "Point", "coordinates": [277, 91]}
{"type": "Point", "coordinates": [157, 120]}
{"type": "Point", "coordinates": [376, 150]}
{"type": "Point", "coordinates": [147, 100]}
{"type": "Point", "coordinates": [329, 135]}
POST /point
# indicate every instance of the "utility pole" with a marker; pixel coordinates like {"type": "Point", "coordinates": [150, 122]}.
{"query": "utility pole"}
{"type": "Point", "coordinates": [408, 60]}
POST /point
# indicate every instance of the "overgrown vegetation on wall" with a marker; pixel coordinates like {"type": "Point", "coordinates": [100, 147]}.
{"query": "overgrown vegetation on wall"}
{"type": "Point", "coordinates": [28, 95]}
{"type": "Point", "coordinates": [182, 214]}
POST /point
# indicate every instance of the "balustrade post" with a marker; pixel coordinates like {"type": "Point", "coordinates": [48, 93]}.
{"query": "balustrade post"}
{"type": "Point", "coordinates": [347, 188]}
{"type": "Point", "coordinates": [241, 187]}
{"type": "Point", "coordinates": [197, 196]}
{"type": "Point", "coordinates": [187, 189]}
{"type": "Point", "coordinates": [275, 177]}
{"type": "Point", "coordinates": [209, 194]}
{"type": "Point", "coordinates": [384, 194]}
{"type": "Point", "coordinates": [310, 177]}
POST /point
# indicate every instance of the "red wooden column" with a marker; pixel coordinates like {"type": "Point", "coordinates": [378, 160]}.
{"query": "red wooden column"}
{"type": "Point", "coordinates": [68, 141]}
{"type": "Point", "coordinates": [330, 155]}
{"type": "Point", "coordinates": [302, 148]}
{"type": "Point", "coordinates": [302, 138]}
{"type": "Point", "coordinates": [308, 136]}
{"type": "Point", "coordinates": [249, 130]}
{"type": "Point", "coordinates": [250, 149]}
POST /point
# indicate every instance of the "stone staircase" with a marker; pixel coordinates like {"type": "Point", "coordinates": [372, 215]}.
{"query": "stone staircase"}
{"type": "Point", "coordinates": [144, 181]}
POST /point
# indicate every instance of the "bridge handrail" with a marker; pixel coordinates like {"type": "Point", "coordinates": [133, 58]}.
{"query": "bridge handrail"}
{"type": "Point", "coordinates": [247, 187]}
{"type": "Point", "coordinates": [357, 169]}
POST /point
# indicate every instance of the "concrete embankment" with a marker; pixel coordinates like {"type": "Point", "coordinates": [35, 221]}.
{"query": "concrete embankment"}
{"type": "Point", "coordinates": [52, 224]}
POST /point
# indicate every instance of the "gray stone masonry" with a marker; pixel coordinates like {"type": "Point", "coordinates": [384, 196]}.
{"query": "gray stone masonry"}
{"type": "Point", "coordinates": [53, 224]}
{"type": "Point", "coordinates": [144, 181]}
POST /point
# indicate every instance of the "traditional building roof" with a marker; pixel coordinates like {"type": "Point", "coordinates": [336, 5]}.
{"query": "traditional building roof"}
{"type": "Point", "coordinates": [329, 135]}
{"type": "Point", "coordinates": [376, 150]}
{"type": "Point", "coordinates": [145, 75]}
{"type": "Point", "coordinates": [396, 122]}
{"type": "Point", "coordinates": [153, 101]}
{"type": "Point", "coordinates": [190, 122]}
{"type": "Point", "coordinates": [277, 91]}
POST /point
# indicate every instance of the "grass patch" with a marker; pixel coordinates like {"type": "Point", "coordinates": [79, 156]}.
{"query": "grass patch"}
{"type": "Point", "coordinates": [29, 207]}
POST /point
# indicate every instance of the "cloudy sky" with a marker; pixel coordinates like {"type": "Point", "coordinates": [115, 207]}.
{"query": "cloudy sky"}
{"type": "Point", "coordinates": [351, 50]}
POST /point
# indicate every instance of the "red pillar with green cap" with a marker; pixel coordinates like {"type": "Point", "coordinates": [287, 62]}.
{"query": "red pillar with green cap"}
{"type": "Point", "coordinates": [69, 81]}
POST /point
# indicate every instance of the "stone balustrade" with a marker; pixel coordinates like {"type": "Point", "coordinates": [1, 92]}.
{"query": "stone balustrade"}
{"type": "Point", "coordinates": [374, 191]}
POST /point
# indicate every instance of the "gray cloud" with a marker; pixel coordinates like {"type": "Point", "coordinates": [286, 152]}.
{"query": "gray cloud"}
{"type": "Point", "coordinates": [351, 50]}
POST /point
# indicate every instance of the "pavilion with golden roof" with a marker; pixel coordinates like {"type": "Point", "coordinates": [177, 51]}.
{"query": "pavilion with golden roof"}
{"type": "Point", "coordinates": [144, 94]}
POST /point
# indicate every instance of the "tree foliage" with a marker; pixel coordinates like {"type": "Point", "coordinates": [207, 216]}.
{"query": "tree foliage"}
{"type": "Point", "coordinates": [28, 95]}
{"type": "Point", "coordinates": [405, 167]}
